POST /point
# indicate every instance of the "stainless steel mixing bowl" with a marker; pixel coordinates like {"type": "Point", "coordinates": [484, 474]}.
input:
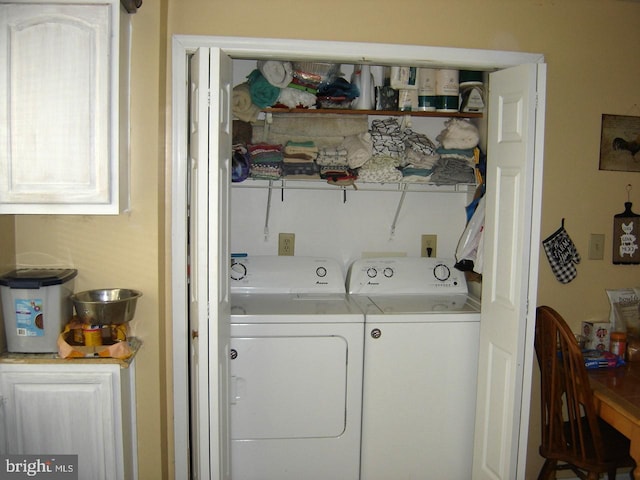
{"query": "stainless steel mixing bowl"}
{"type": "Point", "coordinates": [108, 306]}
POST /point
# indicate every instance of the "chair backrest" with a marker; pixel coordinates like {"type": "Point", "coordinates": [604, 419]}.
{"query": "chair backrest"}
{"type": "Point", "coordinates": [570, 429]}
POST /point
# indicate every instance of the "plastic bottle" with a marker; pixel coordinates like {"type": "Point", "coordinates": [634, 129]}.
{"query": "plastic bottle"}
{"type": "Point", "coordinates": [618, 344]}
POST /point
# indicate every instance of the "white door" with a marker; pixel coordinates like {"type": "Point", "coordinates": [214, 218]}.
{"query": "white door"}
{"type": "Point", "coordinates": [510, 270]}
{"type": "Point", "coordinates": [209, 155]}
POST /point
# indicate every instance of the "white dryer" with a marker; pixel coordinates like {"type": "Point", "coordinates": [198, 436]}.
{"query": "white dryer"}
{"type": "Point", "coordinates": [420, 368]}
{"type": "Point", "coordinates": [296, 370]}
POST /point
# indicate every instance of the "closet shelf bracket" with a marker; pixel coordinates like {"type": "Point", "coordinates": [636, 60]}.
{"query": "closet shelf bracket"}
{"type": "Point", "coordinates": [400, 203]}
{"type": "Point", "coordinates": [266, 218]}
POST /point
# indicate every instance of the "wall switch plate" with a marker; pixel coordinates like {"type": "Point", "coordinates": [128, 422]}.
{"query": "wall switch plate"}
{"type": "Point", "coordinates": [596, 246]}
{"type": "Point", "coordinates": [286, 244]}
{"type": "Point", "coordinates": [428, 246]}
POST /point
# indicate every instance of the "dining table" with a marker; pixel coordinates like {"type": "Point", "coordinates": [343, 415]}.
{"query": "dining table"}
{"type": "Point", "coordinates": [617, 401]}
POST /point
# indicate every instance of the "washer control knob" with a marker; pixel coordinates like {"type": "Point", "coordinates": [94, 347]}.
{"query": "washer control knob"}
{"type": "Point", "coordinates": [233, 354]}
{"type": "Point", "coordinates": [441, 272]}
{"type": "Point", "coordinates": [321, 272]}
{"type": "Point", "coordinates": [238, 270]}
{"type": "Point", "coordinates": [376, 333]}
{"type": "Point", "coordinates": [372, 272]}
{"type": "Point", "coordinates": [388, 272]}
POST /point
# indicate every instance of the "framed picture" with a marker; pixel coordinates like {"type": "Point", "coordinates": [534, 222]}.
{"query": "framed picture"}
{"type": "Point", "coordinates": [620, 143]}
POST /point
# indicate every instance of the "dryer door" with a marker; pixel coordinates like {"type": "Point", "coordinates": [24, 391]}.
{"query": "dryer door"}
{"type": "Point", "coordinates": [288, 387]}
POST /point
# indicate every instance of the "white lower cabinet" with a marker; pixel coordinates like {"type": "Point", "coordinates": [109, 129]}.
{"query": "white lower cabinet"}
{"type": "Point", "coordinates": [71, 409]}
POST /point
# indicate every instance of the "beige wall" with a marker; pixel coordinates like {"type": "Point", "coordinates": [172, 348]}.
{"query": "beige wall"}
{"type": "Point", "coordinates": [7, 256]}
{"type": "Point", "coordinates": [593, 68]}
{"type": "Point", "coordinates": [126, 250]}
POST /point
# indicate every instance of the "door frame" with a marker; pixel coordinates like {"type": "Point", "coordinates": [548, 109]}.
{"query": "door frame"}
{"type": "Point", "coordinates": [177, 167]}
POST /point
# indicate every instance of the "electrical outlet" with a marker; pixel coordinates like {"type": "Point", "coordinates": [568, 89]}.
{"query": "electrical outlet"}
{"type": "Point", "coordinates": [286, 244]}
{"type": "Point", "coordinates": [596, 246]}
{"type": "Point", "coordinates": [428, 245]}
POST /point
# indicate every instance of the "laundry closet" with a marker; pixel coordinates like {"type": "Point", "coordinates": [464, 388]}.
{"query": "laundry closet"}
{"type": "Point", "coordinates": [347, 222]}
{"type": "Point", "coordinates": [337, 221]}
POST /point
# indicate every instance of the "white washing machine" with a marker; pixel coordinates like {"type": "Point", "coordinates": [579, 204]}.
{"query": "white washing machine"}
{"type": "Point", "coordinates": [296, 370]}
{"type": "Point", "coordinates": [420, 368]}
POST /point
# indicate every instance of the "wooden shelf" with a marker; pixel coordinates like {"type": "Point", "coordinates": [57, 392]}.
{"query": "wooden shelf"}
{"type": "Point", "coordinates": [348, 111]}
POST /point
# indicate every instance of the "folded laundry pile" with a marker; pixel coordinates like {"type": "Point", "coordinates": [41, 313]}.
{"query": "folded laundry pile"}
{"type": "Point", "coordinates": [387, 138]}
{"type": "Point", "coordinates": [266, 161]}
{"type": "Point", "coordinates": [380, 169]}
{"type": "Point", "coordinates": [458, 152]}
{"type": "Point", "coordinates": [420, 157]}
{"type": "Point", "coordinates": [337, 94]}
{"type": "Point", "coordinates": [333, 163]}
{"type": "Point", "coordinates": [299, 161]}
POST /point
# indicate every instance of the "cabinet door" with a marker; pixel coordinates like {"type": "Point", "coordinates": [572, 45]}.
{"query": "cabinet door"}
{"type": "Point", "coordinates": [56, 413]}
{"type": "Point", "coordinates": [56, 134]}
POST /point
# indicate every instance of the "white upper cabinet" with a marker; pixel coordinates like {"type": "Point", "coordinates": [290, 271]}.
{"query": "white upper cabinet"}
{"type": "Point", "coordinates": [63, 107]}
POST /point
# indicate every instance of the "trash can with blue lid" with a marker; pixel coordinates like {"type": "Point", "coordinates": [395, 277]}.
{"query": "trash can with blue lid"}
{"type": "Point", "coordinates": [36, 306]}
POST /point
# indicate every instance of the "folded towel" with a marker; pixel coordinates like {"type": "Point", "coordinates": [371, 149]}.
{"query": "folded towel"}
{"type": "Point", "coordinates": [279, 74]}
{"type": "Point", "coordinates": [387, 144]}
{"type": "Point", "coordinates": [296, 98]}
{"type": "Point", "coordinates": [359, 149]}
{"type": "Point", "coordinates": [419, 160]}
{"type": "Point", "coordinates": [308, 147]}
{"type": "Point", "coordinates": [257, 148]}
{"type": "Point", "coordinates": [332, 156]}
{"type": "Point", "coordinates": [263, 94]}
{"type": "Point", "coordinates": [459, 133]}
{"type": "Point", "coordinates": [389, 126]}
{"type": "Point", "coordinates": [241, 105]}
{"type": "Point", "coordinates": [380, 170]}
{"type": "Point", "coordinates": [451, 171]}
{"type": "Point", "coordinates": [266, 172]}
{"type": "Point", "coordinates": [418, 142]}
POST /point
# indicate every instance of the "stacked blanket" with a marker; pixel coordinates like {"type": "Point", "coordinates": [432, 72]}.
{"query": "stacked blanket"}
{"type": "Point", "coordinates": [333, 163]}
{"type": "Point", "coordinates": [455, 166]}
{"type": "Point", "coordinates": [387, 138]}
{"type": "Point", "coordinates": [299, 161]}
{"type": "Point", "coordinates": [458, 153]}
{"type": "Point", "coordinates": [380, 169]}
{"type": "Point", "coordinates": [420, 157]}
{"type": "Point", "coordinates": [387, 151]}
{"type": "Point", "coordinates": [266, 161]}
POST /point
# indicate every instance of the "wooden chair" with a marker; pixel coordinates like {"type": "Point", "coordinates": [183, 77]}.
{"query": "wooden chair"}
{"type": "Point", "coordinates": [573, 436]}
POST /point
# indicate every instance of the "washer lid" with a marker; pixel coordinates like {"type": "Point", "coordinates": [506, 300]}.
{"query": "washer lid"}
{"type": "Point", "coordinates": [294, 308]}
{"type": "Point", "coordinates": [425, 304]}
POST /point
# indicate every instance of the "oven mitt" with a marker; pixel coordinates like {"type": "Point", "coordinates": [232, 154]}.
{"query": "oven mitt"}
{"type": "Point", "coordinates": [562, 255]}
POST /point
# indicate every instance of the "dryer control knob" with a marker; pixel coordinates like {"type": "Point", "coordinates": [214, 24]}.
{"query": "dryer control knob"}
{"type": "Point", "coordinates": [321, 272]}
{"type": "Point", "coordinates": [233, 354]}
{"type": "Point", "coordinates": [371, 272]}
{"type": "Point", "coordinates": [238, 270]}
{"type": "Point", "coordinates": [388, 272]}
{"type": "Point", "coordinates": [376, 333]}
